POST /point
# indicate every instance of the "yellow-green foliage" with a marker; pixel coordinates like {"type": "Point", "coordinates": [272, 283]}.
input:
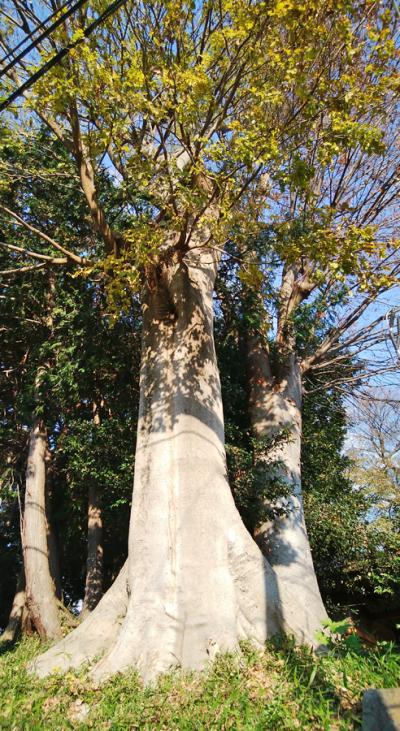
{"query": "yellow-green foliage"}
{"type": "Point", "coordinates": [241, 89]}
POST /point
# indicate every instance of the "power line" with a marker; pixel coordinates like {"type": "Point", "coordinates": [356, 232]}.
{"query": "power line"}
{"type": "Point", "coordinates": [43, 35]}
{"type": "Point", "coordinates": [12, 51]}
{"type": "Point", "coordinates": [60, 55]}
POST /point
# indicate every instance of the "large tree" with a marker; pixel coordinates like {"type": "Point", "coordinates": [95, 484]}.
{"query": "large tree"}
{"type": "Point", "coordinates": [335, 248]}
{"type": "Point", "coordinates": [193, 105]}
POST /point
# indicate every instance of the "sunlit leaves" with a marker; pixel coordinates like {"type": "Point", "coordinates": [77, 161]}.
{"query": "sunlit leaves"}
{"type": "Point", "coordinates": [169, 93]}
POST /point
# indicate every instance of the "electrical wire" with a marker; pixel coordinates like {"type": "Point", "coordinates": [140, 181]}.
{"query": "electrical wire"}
{"type": "Point", "coordinates": [12, 51]}
{"type": "Point", "coordinates": [43, 36]}
{"type": "Point", "coordinates": [60, 55]}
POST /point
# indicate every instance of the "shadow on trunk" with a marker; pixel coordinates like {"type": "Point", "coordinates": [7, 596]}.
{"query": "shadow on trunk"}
{"type": "Point", "coordinates": [196, 581]}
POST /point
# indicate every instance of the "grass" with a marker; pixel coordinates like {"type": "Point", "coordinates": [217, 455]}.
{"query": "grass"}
{"type": "Point", "coordinates": [281, 688]}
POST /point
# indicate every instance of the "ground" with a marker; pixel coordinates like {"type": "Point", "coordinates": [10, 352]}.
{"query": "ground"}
{"type": "Point", "coordinates": [281, 688]}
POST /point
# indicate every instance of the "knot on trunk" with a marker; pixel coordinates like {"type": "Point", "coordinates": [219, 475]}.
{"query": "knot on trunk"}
{"type": "Point", "coordinates": [164, 309]}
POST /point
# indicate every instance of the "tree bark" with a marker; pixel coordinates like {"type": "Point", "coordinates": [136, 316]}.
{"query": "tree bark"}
{"type": "Point", "coordinates": [94, 566]}
{"type": "Point", "coordinates": [275, 405]}
{"type": "Point", "coordinates": [94, 563]}
{"type": "Point", "coordinates": [93, 637]}
{"type": "Point", "coordinates": [40, 591]}
{"type": "Point", "coordinates": [198, 582]}
{"type": "Point", "coordinates": [188, 549]}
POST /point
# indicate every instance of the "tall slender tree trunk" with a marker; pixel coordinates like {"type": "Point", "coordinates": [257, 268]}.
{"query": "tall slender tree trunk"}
{"type": "Point", "coordinates": [40, 590]}
{"type": "Point", "coordinates": [94, 563]}
{"type": "Point", "coordinates": [20, 618]}
{"type": "Point", "coordinates": [275, 407]}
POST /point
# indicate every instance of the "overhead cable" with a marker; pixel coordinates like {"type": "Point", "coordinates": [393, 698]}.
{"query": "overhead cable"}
{"type": "Point", "coordinates": [34, 30]}
{"type": "Point", "coordinates": [43, 35]}
{"type": "Point", "coordinates": [60, 54]}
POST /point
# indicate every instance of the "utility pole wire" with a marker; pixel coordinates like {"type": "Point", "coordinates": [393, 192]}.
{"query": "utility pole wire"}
{"type": "Point", "coordinates": [42, 36]}
{"type": "Point", "coordinates": [60, 54]}
{"type": "Point", "coordinates": [44, 22]}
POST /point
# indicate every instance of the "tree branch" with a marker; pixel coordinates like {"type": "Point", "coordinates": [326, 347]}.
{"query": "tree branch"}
{"type": "Point", "coordinates": [69, 254]}
{"type": "Point", "coordinates": [19, 270]}
{"type": "Point", "coordinates": [34, 254]}
{"type": "Point", "coordinates": [87, 179]}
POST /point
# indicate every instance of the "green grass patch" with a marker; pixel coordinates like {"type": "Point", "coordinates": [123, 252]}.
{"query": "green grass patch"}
{"type": "Point", "coordinates": [281, 688]}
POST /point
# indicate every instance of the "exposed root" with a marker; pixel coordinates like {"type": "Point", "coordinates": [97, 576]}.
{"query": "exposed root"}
{"type": "Point", "coordinates": [157, 637]}
{"type": "Point", "coordinates": [93, 637]}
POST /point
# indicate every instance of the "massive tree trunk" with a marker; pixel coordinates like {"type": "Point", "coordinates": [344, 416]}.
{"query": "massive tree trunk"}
{"type": "Point", "coordinates": [196, 578]}
{"type": "Point", "coordinates": [197, 582]}
{"type": "Point", "coordinates": [40, 591]}
{"type": "Point", "coordinates": [275, 408]}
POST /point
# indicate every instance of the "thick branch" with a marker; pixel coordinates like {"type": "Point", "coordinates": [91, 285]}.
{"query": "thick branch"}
{"type": "Point", "coordinates": [87, 179]}
{"type": "Point", "coordinates": [292, 293]}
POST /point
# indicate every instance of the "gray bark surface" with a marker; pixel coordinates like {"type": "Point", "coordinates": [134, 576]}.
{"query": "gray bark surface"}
{"type": "Point", "coordinates": [93, 637]}
{"type": "Point", "coordinates": [198, 583]}
{"type": "Point", "coordinates": [197, 578]}
{"type": "Point", "coordinates": [40, 591]}
{"type": "Point", "coordinates": [275, 404]}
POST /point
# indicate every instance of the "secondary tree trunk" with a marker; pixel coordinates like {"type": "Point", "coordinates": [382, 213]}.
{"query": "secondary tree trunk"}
{"type": "Point", "coordinates": [40, 591]}
{"type": "Point", "coordinates": [275, 406]}
{"type": "Point", "coordinates": [94, 566]}
{"type": "Point", "coordinates": [20, 619]}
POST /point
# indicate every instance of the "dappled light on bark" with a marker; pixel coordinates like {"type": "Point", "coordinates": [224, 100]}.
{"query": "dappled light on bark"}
{"type": "Point", "coordinates": [189, 552]}
{"type": "Point", "coordinates": [275, 405]}
{"type": "Point", "coordinates": [40, 590]}
{"type": "Point", "coordinates": [196, 583]}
